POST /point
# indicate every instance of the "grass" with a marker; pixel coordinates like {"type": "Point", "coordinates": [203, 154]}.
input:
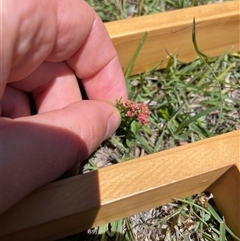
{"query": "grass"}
{"type": "Point", "coordinates": [188, 102]}
{"type": "Point", "coordinates": [110, 10]}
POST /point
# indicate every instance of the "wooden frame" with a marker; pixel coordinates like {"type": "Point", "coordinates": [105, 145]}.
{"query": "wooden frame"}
{"type": "Point", "coordinates": [77, 203]}
{"type": "Point", "coordinates": [217, 28]}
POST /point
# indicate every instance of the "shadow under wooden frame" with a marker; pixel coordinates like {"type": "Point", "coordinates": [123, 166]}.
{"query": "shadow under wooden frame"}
{"type": "Point", "coordinates": [68, 206]}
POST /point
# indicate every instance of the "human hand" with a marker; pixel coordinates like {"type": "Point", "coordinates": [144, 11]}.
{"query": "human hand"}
{"type": "Point", "coordinates": [44, 46]}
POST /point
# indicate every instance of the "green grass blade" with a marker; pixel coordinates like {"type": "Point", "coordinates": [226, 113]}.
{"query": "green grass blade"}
{"type": "Point", "coordinates": [204, 57]}
{"type": "Point", "coordinates": [193, 204]}
{"type": "Point", "coordinates": [134, 57]}
{"type": "Point", "coordinates": [144, 144]}
{"type": "Point", "coordinates": [222, 231]}
{"type": "Point", "coordinates": [216, 216]}
{"type": "Point", "coordinates": [195, 117]}
{"type": "Point", "coordinates": [195, 41]}
{"type": "Point", "coordinates": [132, 62]}
{"type": "Point", "coordinates": [102, 231]}
{"type": "Point", "coordinates": [129, 230]}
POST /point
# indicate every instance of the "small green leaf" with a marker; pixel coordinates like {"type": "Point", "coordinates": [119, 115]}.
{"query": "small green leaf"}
{"type": "Point", "coordinates": [134, 127]}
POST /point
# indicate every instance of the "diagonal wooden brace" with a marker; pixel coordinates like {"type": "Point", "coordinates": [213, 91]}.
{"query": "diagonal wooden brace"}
{"type": "Point", "coordinates": [77, 203]}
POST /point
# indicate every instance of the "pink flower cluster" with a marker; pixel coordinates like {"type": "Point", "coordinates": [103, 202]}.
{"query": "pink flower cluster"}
{"type": "Point", "coordinates": [134, 110]}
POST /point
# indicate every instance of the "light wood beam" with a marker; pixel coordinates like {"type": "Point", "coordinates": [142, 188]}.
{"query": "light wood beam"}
{"type": "Point", "coordinates": [217, 29]}
{"type": "Point", "coordinates": [226, 191]}
{"type": "Point", "coordinates": [74, 204]}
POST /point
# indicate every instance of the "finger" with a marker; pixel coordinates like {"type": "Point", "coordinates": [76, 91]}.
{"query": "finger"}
{"type": "Point", "coordinates": [107, 84]}
{"type": "Point", "coordinates": [27, 38]}
{"type": "Point", "coordinates": [48, 144]}
{"type": "Point", "coordinates": [72, 29]}
{"type": "Point", "coordinates": [53, 86]}
{"type": "Point", "coordinates": [14, 103]}
{"type": "Point", "coordinates": [97, 64]}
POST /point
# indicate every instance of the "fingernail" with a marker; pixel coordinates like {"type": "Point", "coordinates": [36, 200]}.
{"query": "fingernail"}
{"type": "Point", "coordinates": [113, 123]}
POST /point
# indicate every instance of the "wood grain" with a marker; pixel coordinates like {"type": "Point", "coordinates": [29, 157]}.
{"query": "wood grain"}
{"type": "Point", "coordinates": [226, 191]}
{"type": "Point", "coordinates": [69, 206]}
{"type": "Point", "coordinates": [217, 29]}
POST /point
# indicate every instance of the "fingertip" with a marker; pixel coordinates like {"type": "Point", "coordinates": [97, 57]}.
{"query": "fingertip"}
{"type": "Point", "coordinates": [113, 123]}
{"type": "Point", "coordinates": [108, 84]}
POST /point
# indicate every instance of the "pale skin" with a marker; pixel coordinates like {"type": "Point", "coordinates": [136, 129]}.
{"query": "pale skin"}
{"type": "Point", "coordinates": [44, 46]}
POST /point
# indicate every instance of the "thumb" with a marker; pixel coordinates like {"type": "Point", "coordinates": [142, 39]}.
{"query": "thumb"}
{"type": "Point", "coordinates": [38, 149]}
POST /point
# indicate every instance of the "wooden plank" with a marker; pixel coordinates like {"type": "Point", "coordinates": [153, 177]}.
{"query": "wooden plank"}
{"type": "Point", "coordinates": [69, 206]}
{"type": "Point", "coordinates": [226, 192]}
{"type": "Point", "coordinates": [218, 27]}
